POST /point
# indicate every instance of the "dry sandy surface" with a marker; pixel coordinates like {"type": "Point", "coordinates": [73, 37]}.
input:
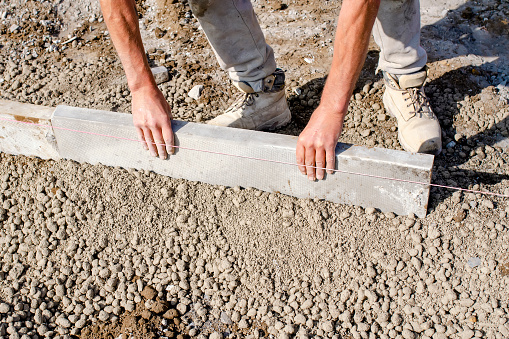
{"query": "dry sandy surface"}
{"type": "Point", "coordinates": [88, 251]}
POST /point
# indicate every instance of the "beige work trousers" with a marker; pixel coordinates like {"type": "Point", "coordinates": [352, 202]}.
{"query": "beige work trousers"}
{"type": "Point", "coordinates": [233, 31]}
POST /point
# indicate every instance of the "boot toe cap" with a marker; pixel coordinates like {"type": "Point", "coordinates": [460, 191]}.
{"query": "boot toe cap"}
{"type": "Point", "coordinates": [225, 120]}
{"type": "Point", "coordinates": [425, 137]}
{"type": "Point", "coordinates": [431, 146]}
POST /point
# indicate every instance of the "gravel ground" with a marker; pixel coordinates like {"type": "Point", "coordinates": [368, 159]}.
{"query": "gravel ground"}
{"type": "Point", "coordinates": [90, 251]}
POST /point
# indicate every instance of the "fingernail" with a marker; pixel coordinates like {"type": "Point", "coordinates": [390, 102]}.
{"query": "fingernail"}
{"type": "Point", "coordinates": [163, 156]}
{"type": "Point", "coordinates": [312, 178]}
{"type": "Point", "coordinates": [153, 154]}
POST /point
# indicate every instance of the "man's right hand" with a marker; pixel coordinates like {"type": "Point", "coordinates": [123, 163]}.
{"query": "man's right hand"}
{"type": "Point", "coordinates": [151, 112]}
{"type": "Point", "coordinates": [152, 119]}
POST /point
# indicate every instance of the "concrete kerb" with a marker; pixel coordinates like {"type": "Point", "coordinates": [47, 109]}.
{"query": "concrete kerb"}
{"type": "Point", "coordinates": [26, 129]}
{"type": "Point", "coordinates": [226, 158]}
{"type": "Point", "coordinates": [210, 165]}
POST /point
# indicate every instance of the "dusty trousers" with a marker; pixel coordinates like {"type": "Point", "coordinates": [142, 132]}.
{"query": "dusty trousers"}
{"type": "Point", "coordinates": [235, 35]}
{"type": "Point", "coordinates": [397, 31]}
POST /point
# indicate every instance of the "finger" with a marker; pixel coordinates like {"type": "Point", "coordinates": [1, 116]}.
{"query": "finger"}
{"type": "Point", "coordinates": [159, 143]}
{"type": "Point", "coordinates": [169, 139]}
{"type": "Point", "coordinates": [310, 163]}
{"type": "Point", "coordinates": [320, 163]}
{"type": "Point", "coordinates": [330, 155]}
{"type": "Point", "coordinates": [141, 137]}
{"type": "Point", "coordinates": [300, 158]}
{"type": "Point", "coordinates": [150, 142]}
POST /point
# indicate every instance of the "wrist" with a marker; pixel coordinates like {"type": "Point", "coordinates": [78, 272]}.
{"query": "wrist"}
{"type": "Point", "coordinates": [145, 88]}
{"type": "Point", "coordinates": [333, 108]}
{"type": "Point", "coordinates": [141, 81]}
{"type": "Point", "coordinates": [335, 102]}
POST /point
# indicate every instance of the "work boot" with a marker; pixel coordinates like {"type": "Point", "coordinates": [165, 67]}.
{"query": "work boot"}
{"type": "Point", "coordinates": [418, 128]}
{"type": "Point", "coordinates": [265, 110]}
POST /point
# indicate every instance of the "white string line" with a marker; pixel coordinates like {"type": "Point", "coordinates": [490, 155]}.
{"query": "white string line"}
{"type": "Point", "coordinates": [266, 160]}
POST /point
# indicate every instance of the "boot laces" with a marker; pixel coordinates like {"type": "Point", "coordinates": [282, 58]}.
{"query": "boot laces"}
{"type": "Point", "coordinates": [419, 101]}
{"type": "Point", "coordinates": [244, 100]}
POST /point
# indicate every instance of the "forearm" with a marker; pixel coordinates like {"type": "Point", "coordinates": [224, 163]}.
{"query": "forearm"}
{"type": "Point", "coordinates": [122, 22]}
{"type": "Point", "coordinates": [353, 31]}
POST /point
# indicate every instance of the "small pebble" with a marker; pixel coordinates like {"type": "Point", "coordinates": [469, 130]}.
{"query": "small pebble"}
{"type": "Point", "coordinates": [474, 262]}
{"type": "Point", "coordinates": [4, 308]}
{"type": "Point", "coordinates": [195, 92]}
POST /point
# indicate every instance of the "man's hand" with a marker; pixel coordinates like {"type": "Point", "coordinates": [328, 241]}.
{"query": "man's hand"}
{"type": "Point", "coordinates": [151, 112]}
{"type": "Point", "coordinates": [152, 118]}
{"type": "Point", "coordinates": [317, 143]}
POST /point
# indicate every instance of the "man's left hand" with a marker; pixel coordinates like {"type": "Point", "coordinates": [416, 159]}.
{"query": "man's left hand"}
{"type": "Point", "coordinates": [317, 143]}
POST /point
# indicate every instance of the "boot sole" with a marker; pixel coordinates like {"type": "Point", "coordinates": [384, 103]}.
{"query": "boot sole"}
{"type": "Point", "coordinates": [426, 147]}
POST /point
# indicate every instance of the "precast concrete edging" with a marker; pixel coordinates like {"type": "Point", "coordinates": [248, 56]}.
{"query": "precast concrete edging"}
{"type": "Point", "coordinates": [232, 157]}
{"type": "Point", "coordinates": [390, 180]}
{"type": "Point", "coordinates": [25, 129]}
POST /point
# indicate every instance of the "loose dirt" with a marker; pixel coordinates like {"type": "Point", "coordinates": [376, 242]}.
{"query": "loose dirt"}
{"type": "Point", "coordinates": [90, 251]}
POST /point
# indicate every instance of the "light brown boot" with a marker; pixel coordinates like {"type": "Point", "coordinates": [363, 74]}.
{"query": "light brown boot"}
{"type": "Point", "coordinates": [266, 110]}
{"type": "Point", "coordinates": [418, 127]}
